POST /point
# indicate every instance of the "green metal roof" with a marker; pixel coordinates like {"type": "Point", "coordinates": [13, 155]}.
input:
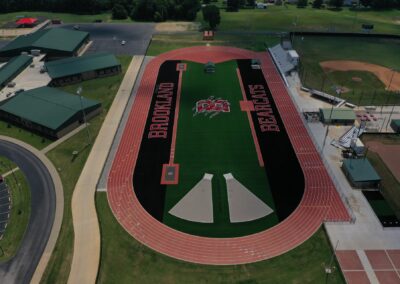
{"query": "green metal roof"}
{"type": "Point", "coordinates": [361, 170]}
{"type": "Point", "coordinates": [338, 114]}
{"type": "Point", "coordinates": [46, 106]}
{"type": "Point", "coordinates": [396, 122]}
{"type": "Point", "coordinates": [58, 39]}
{"type": "Point", "coordinates": [12, 67]}
{"type": "Point", "coordinates": [77, 65]}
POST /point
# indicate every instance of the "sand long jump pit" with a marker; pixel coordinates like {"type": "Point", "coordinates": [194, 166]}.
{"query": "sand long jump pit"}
{"type": "Point", "coordinates": [217, 167]}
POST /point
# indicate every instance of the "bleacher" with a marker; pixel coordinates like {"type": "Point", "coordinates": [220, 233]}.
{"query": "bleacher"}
{"type": "Point", "coordinates": [281, 59]}
{"type": "Point", "coordinates": [5, 207]}
{"type": "Point", "coordinates": [354, 132]}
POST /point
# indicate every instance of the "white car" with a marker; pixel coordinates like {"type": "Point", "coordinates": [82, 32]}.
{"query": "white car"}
{"type": "Point", "coordinates": [123, 42]}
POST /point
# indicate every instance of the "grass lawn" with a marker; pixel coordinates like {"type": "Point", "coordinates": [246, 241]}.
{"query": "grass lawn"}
{"type": "Point", "coordinates": [20, 212]}
{"type": "Point", "coordinates": [279, 18]}
{"type": "Point", "coordinates": [124, 260]}
{"type": "Point", "coordinates": [359, 92]}
{"type": "Point", "coordinates": [314, 50]}
{"type": "Point", "coordinates": [104, 90]}
{"type": "Point", "coordinates": [162, 43]}
{"type": "Point", "coordinates": [6, 165]}
{"type": "Point", "coordinates": [204, 145]}
{"type": "Point", "coordinates": [24, 135]}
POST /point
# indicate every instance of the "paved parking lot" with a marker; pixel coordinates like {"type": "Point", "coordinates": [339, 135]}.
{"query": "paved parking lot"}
{"type": "Point", "coordinates": [108, 37]}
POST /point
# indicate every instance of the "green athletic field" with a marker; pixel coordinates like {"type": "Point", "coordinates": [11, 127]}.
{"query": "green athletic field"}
{"type": "Point", "coordinates": [219, 145]}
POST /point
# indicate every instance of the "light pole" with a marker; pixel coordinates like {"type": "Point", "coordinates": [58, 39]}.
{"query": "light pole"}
{"type": "Point", "coordinates": [390, 116]}
{"type": "Point", "coordinates": [391, 79]}
{"type": "Point", "coordinates": [329, 269]}
{"type": "Point", "coordinates": [79, 93]}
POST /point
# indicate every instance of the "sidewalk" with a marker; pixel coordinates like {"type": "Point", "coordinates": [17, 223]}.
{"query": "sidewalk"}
{"type": "Point", "coordinates": [86, 256]}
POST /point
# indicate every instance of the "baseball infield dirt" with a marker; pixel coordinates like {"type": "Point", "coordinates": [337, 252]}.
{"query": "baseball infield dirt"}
{"type": "Point", "coordinates": [386, 75]}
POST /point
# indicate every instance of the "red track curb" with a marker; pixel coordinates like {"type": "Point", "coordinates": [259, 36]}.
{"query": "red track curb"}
{"type": "Point", "coordinates": [320, 201]}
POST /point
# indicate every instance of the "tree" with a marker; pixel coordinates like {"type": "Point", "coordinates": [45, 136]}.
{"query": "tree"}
{"type": "Point", "coordinates": [365, 3]}
{"type": "Point", "coordinates": [336, 3]}
{"type": "Point", "coordinates": [206, 2]}
{"type": "Point", "coordinates": [119, 12]}
{"type": "Point", "coordinates": [302, 3]}
{"type": "Point", "coordinates": [212, 15]}
{"type": "Point", "coordinates": [251, 3]}
{"type": "Point", "coordinates": [317, 4]}
{"type": "Point", "coordinates": [232, 5]}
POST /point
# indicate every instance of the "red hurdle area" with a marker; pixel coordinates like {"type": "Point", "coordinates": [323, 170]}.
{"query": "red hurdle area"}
{"type": "Point", "coordinates": [320, 202]}
{"type": "Point", "coordinates": [170, 174]}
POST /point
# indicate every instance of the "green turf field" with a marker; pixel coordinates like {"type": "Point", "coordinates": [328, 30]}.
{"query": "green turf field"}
{"type": "Point", "coordinates": [219, 145]}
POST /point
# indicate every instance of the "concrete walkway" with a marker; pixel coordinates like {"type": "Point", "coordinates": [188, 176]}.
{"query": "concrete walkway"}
{"type": "Point", "coordinates": [62, 139]}
{"type": "Point", "coordinates": [366, 233]}
{"type": "Point", "coordinates": [58, 211]}
{"type": "Point", "coordinates": [86, 256]}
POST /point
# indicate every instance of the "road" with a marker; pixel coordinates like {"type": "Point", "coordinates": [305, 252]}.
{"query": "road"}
{"type": "Point", "coordinates": [108, 37]}
{"type": "Point", "coordinates": [22, 266]}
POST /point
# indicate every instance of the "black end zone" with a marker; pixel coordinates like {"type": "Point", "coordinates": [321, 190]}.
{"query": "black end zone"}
{"type": "Point", "coordinates": [283, 170]}
{"type": "Point", "coordinates": [156, 142]}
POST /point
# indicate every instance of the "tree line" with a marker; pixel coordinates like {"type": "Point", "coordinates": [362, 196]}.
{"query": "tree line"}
{"type": "Point", "coordinates": [373, 4]}
{"type": "Point", "coordinates": [143, 10]}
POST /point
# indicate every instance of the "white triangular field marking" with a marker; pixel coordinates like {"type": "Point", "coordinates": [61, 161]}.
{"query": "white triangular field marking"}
{"type": "Point", "coordinates": [244, 206]}
{"type": "Point", "coordinates": [197, 204]}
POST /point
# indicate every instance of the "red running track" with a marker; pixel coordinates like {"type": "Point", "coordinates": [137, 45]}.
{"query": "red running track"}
{"type": "Point", "coordinates": [320, 201]}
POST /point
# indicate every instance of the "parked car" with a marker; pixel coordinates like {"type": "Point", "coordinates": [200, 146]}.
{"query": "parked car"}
{"type": "Point", "coordinates": [123, 42]}
{"type": "Point", "coordinates": [11, 84]}
{"type": "Point", "coordinates": [19, 91]}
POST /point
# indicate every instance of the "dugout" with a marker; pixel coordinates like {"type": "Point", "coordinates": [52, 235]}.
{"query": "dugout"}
{"type": "Point", "coordinates": [56, 43]}
{"type": "Point", "coordinates": [360, 173]}
{"type": "Point", "coordinates": [13, 68]}
{"type": "Point", "coordinates": [395, 125]}
{"type": "Point", "coordinates": [47, 111]}
{"type": "Point", "coordinates": [340, 116]}
{"type": "Point", "coordinates": [76, 69]}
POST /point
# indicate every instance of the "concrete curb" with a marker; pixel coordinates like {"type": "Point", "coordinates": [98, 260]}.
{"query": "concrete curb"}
{"type": "Point", "coordinates": [59, 207]}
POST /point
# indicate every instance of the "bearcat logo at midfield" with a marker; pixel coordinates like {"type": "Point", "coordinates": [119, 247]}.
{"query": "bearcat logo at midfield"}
{"type": "Point", "coordinates": [212, 105]}
{"type": "Point", "coordinates": [162, 111]}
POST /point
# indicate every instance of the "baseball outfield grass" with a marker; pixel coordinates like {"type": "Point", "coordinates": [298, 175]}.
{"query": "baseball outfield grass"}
{"type": "Point", "coordinates": [216, 145]}
{"type": "Point", "coordinates": [125, 260]}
